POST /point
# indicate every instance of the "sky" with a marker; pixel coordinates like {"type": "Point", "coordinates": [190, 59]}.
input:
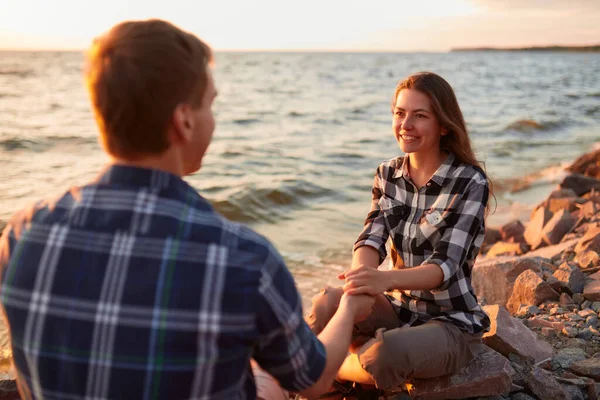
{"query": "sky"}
{"type": "Point", "coordinates": [344, 25]}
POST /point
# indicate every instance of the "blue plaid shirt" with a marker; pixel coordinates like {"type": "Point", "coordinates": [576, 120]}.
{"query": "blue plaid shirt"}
{"type": "Point", "coordinates": [133, 287]}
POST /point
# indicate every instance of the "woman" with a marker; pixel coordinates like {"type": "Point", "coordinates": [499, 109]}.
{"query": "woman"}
{"type": "Point", "coordinates": [431, 203]}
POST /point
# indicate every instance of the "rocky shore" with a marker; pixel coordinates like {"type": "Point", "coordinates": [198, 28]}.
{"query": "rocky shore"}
{"type": "Point", "coordinates": [539, 280]}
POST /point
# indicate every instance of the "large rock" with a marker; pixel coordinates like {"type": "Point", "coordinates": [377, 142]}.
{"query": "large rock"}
{"type": "Point", "coordinates": [588, 164]}
{"type": "Point", "coordinates": [589, 367]}
{"type": "Point", "coordinates": [590, 241]}
{"type": "Point", "coordinates": [589, 209]}
{"type": "Point", "coordinates": [587, 259]}
{"type": "Point", "coordinates": [580, 184]}
{"type": "Point", "coordinates": [591, 291]}
{"type": "Point", "coordinates": [513, 232]}
{"type": "Point", "coordinates": [488, 374]}
{"type": "Point", "coordinates": [491, 236]}
{"type": "Point", "coordinates": [544, 386]}
{"type": "Point", "coordinates": [559, 225]}
{"type": "Point", "coordinates": [530, 289]}
{"type": "Point", "coordinates": [534, 231]}
{"type": "Point", "coordinates": [570, 277]}
{"type": "Point", "coordinates": [554, 252]}
{"type": "Point", "coordinates": [507, 249]}
{"type": "Point", "coordinates": [493, 279]}
{"type": "Point", "coordinates": [509, 335]}
{"type": "Point", "coordinates": [565, 203]}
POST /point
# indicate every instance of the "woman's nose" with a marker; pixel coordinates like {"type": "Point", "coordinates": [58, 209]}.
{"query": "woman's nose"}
{"type": "Point", "coordinates": [406, 123]}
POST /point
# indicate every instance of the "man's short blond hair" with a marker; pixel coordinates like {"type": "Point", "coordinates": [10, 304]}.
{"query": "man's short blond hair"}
{"type": "Point", "coordinates": [137, 73]}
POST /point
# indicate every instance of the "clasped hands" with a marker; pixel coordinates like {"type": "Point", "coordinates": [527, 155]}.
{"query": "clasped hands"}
{"type": "Point", "coordinates": [362, 284]}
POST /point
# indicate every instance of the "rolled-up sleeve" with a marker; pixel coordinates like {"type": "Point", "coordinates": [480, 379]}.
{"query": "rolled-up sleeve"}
{"type": "Point", "coordinates": [287, 348]}
{"type": "Point", "coordinates": [375, 233]}
{"type": "Point", "coordinates": [464, 225]}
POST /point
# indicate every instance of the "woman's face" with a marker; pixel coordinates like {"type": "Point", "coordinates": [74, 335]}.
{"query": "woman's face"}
{"type": "Point", "coordinates": [416, 127]}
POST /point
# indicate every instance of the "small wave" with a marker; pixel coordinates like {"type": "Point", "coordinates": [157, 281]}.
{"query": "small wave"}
{"type": "Point", "coordinates": [21, 73]}
{"type": "Point", "coordinates": [594, 94]}
{"type": "Point", "coordinates": [267, 204]}
{"type": "Point", "coordinates": [354, 156]}
{"type": "Point", "coordinates": [529, 125]}
{"type": "Point", "coordinates": [13, 144]}
{"type": "Point", "coordinates": [323, 121]}
{"type": "Point", "coordinates": [9, 95]}
{"type": "Point", "coordinates": [246, 121]}
{"type": "Point", "coordinates": [19, 144]}
{"type": "Point", "coordinates": [592, 110]}
{"type": "Point", "coordinates": [295, 114]}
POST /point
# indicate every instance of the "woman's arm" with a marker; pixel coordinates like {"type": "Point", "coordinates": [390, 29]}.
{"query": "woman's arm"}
{"type": "Point", "coordinates": [449, 254]}
{"type": "Point", "coordinates": [374, 234]}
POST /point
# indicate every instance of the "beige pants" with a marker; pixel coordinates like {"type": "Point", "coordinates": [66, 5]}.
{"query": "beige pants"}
{"type": "Point", "coordinates": [391, 353]}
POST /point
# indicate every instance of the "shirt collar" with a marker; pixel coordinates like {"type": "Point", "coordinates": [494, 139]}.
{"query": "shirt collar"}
{"type": "Point", "coordinates": [443, 171]}
{"type": "Point", "coordinates": [142, 177]}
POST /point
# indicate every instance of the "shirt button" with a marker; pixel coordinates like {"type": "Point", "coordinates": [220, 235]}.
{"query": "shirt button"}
{"type": "Point", "coordinates": [428, 183]}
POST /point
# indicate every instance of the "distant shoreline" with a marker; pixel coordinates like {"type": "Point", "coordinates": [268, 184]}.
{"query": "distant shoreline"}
{"type": "Point", "coordinates": [565, 49]}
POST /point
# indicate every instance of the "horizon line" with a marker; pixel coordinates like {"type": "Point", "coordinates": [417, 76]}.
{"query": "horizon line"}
{"type": "Point", "coordinates": [308, 50]}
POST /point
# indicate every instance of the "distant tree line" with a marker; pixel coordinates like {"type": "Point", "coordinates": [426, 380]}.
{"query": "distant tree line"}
{"type": "Point", "coordinates": [579, 49]}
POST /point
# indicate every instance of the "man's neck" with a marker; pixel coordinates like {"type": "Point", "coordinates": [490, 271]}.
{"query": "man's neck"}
{"type": "Point", "coordinates": [168, 161]}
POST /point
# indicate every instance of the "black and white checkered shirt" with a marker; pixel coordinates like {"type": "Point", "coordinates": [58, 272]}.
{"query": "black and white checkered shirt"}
{"type": "Point", "coordinates": [442, 223]}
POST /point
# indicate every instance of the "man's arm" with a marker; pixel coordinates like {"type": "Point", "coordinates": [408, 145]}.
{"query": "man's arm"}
{"type": "Point", "coordinates": [286, 348]}
{"type": "Point", "coordinates": [336, 338]}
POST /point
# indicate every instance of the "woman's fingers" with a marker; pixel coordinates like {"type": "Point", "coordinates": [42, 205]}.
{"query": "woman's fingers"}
{"type": "Point", "coordinates": [359, 290]}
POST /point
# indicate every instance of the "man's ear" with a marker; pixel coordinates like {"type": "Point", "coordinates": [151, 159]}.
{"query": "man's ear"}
{"type": "Point", "coordinates": [183, 124]}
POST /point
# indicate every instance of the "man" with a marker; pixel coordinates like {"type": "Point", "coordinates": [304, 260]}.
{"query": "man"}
{"type": "Point", "coordinates": [132, 286]}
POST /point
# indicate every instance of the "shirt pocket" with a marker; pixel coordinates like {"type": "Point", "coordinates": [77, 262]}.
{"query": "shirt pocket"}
{"type": "Point", "coordinates": [394, 213]}
{"type": "Point", "coordinates": [432, 226]}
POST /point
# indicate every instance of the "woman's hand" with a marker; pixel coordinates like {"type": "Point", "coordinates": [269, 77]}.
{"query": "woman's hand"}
{"type": "Point", "coordinates": [365, 280]}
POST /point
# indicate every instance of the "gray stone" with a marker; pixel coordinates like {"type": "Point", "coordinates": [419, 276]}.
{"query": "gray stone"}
{"type": "Point", "coordinates": [567, 356]}
{"type": "Point", "coordinates": [592, 321]}
{"type": "Point", "coordinates": [570, 331]}
{"type": "Point", "coordinates": [488, 374]}
{"type": "Point", "coordinates": [578, 298]}
{"type": "Point", "coordinates": [585, 334]}
{"type": "Point", "coordinates": [544, 386]}
{"type": "Point", "coordinates": [522, 396]}
{"type": "Point", "coordinates": [574, 392]}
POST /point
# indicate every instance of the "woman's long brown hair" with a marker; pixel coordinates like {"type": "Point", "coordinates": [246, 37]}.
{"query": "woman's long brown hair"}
{"type": "Point", "coordinates": [446, 108]}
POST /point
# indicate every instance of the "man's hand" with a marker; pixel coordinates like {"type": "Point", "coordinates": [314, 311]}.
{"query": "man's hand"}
{"type": "Point", "coordinates": [365, 280]}
{"type": "Point", "coordinates": [360, 305]}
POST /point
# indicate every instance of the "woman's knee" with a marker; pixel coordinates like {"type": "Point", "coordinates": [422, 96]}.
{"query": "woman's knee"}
{"type": "Point", "coordinates": [324, 305]}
